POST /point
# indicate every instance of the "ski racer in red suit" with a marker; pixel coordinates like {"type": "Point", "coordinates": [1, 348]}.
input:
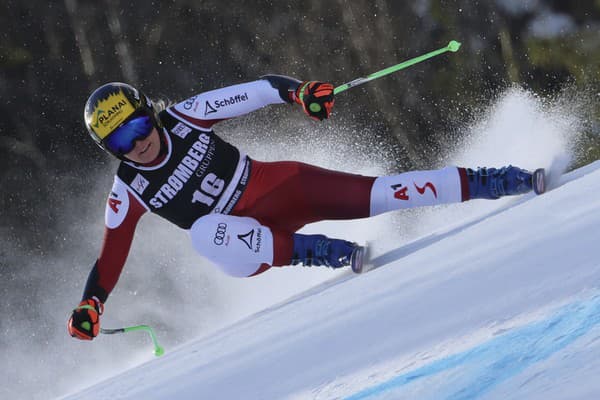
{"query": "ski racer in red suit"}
{"type": "Point", "coordinates": [242, 214]}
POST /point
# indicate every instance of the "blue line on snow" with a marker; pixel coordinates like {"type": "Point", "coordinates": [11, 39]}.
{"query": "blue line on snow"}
{"type": "Point", "coordinates": [492, 362]}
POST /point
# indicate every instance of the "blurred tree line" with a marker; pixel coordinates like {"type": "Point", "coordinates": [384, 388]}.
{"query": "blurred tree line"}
{"type": "Point", "coordinates": [53, 54]}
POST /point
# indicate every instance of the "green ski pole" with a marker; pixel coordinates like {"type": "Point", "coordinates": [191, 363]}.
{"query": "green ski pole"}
{"type": "Point", "coordinates": [158, 350]}
{"type": "Point", "coordinates": [453, 46]}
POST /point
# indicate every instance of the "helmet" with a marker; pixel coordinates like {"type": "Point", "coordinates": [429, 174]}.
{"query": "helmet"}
{"type": "Point", "coordinates": [110, 106]}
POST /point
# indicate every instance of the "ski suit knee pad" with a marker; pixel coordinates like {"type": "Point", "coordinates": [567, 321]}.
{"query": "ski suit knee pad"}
{"type": "Point", "coordinates": [237, 245]}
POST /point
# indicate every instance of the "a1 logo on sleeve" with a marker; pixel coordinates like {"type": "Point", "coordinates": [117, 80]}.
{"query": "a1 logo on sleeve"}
{"type": "Point", "coordinates": [117, 206]}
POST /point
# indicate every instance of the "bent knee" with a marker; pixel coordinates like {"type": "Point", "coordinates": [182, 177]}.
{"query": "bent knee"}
{"type": "Point", "coordinates": [237, 245]}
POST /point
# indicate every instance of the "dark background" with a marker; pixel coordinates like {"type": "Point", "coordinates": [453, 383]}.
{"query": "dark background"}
{"type": "Point", "coordinates": [53, 54]}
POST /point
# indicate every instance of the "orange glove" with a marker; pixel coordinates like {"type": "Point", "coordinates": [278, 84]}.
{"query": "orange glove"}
{"type": "Point", "coordinates": [84, 323]}
{"type": "Point", "coordinates": [316, 98]}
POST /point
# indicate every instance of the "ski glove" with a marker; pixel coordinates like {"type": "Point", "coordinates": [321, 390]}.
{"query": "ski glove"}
{"type": "Point", "coordinates": [316, 98]}
{"type": "Point", "coordinates": [84, 323]}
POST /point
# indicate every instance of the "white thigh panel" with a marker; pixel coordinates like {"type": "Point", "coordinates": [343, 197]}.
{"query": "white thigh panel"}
{"type": "Point", "coordinates": [238, 245]}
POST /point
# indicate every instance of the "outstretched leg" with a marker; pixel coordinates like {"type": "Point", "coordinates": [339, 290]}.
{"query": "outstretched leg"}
{"type": "Point", "coordinates": [445, 186]}
{"type": "Point", "coordinates": [285, 196]}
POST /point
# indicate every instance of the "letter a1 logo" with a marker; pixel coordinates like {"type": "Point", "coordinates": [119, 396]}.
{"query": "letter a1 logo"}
{"type": "Point", "coordinates": [117, 205]}
{"type": "Point", "coordinates": [114, 204]}
{"type": "Point", "coordinates": [400, 192]}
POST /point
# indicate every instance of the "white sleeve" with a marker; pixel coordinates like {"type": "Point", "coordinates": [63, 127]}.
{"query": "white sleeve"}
{"type": "Point", "coordinates": [231, 101]}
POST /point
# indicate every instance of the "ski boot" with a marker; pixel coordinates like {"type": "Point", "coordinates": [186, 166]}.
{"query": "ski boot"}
{"type": "Point", "coordinates": [319, 250]}
{"type": "Point", "coordinates": [492, 183]}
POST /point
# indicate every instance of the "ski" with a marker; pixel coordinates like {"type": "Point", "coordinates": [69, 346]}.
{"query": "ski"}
{"type": "Point", "coordinates": [538, 180]}
{"type": "Point", "coordinates": [359, 259]}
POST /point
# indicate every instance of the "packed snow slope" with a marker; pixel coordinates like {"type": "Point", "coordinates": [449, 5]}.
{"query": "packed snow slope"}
{"type": "Point", "coordinates": [504, 304]}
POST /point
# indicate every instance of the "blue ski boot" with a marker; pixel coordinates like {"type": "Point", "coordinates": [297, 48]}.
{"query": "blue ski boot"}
{"type": "Point", "coordinates": [492, 183]}
{"type": "Point", "coordinates": [319, 250]}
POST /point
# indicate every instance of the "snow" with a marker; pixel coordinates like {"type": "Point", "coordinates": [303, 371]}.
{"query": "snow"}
{"type": "Point", "coordinates": [518, 7]}
{"type": "Point", "coordinates": [514, 314]}
{"type": "Point", "coordinates": [499, 301]}
{"type": "Point", "coordinates": [549, 25]}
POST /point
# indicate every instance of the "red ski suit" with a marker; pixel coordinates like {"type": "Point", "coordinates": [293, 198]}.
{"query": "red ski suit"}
{"type": "Point", "coordinates": [283, 196]}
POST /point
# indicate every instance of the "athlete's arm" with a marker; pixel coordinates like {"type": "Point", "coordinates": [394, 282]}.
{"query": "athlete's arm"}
{"type": "Point", "coordinates": [123, 212]}
{"type": "Point", "coordinates": [207, 108]}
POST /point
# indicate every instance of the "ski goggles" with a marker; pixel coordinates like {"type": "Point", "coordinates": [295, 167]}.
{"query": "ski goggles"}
{"type": "Point", "coordinates": [122, 140]}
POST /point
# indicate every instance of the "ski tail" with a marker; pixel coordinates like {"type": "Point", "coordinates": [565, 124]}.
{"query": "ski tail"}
{"type": "Point", "coordinates": [358, 259]}
{"type": "Point", "coordinates": [538, 180]}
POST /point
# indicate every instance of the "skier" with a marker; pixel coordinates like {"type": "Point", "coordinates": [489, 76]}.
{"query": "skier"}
{"type": "Point", "coordinates": [242, 214]}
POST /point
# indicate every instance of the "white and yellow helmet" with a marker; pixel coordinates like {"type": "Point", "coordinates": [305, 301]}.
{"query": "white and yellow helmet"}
{"type": "Point", "coordinates": [112, 105]}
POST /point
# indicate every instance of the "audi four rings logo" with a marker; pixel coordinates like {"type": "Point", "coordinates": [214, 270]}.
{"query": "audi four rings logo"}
{"type": "Point", "coordinates": [220, 234]}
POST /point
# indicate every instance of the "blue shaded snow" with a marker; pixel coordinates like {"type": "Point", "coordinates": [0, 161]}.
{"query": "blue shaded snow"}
{"type": "Point", "coordinates": [474, 372]}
